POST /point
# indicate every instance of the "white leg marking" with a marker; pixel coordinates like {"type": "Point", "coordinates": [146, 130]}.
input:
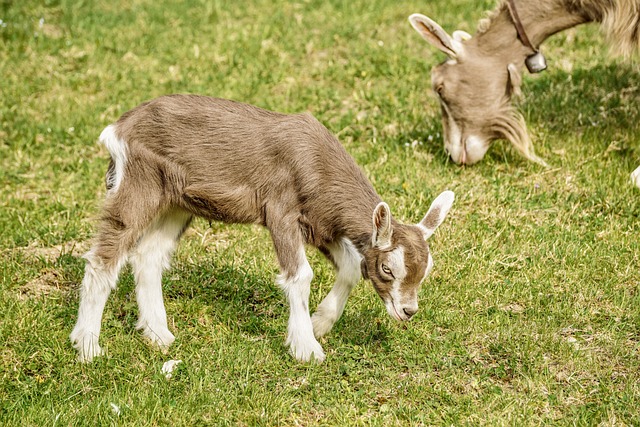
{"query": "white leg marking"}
{"type": "Point", "coordinates": [118, 150]}
{"type": "Point", "coordinates": [150, 257]}
{"type": "Point", "coordinates": [348, 274]}
{"type": "Point", "coordinates": [95, 289]}
{"type": "Point", "coordinates": [635, 177]}
{"type": "Point", "coordinates": [302, 343]}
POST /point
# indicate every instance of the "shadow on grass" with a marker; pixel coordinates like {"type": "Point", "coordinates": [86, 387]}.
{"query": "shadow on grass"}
{"type": "Point", "coordinates": [251, 303]}
{"type": "Point", "coordinates": [234, 294]}
{"type": "Point", "coordinates": [605, 97]}
{"type": "Point", "coordinates": [244, 300]}
{"type": "Point", "coordinates": [362, 327]}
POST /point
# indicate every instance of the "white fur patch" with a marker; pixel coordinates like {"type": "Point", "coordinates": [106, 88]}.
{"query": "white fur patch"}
{"type": "Point", "coordinates": [635, 177]}
{"type": "Point", "coordinates": [151, 256]}
{"type": "Point", "coordinates": [118, 151]}
{"type": "Point", "coordinates": [396, 263]}
{"type": "Point", "coordinates": [475, 148]}
{"type": "Point", "coordinates": [347, 259]}
{"type": "Point", "coordinates": [95, 289]}
{"type": "Point", "coordinates": [429, 268]}
{"type": "Point", "coordinates": [302, 343]}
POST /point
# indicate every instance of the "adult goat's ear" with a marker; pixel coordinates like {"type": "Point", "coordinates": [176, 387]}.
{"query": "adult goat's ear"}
{"type": "Point", "coordinates": [515, 81]}
{"type": "Point", "coordinates": [381, 237]}
{"type": "Point", "coordinates": [461, 36]}
{"type": "Point", "coordinates": [437, 213]}
{"type": "Point", "coordinates": [436, 36]}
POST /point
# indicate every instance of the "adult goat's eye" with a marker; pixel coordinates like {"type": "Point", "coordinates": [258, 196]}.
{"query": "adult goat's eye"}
{"type": "Point", "coordinates": [440, 90]}
{"type": "Point", "coordinates": [386, 270]}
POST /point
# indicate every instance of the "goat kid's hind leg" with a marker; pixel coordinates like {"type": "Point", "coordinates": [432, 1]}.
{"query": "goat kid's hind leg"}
{"type": "Point", "coordinates": [295, 280]}
{"type": "Point", "coordinates": [347, 261]}
{"type": "Point", "coordinates": [104, 262]}
{"type": "Point", "coordinates": [150, 257]}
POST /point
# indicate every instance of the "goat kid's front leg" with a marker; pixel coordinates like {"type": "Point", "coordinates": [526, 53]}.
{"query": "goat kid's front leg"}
{"type": "Point", "coordinates": [295, 280]}
{"type": "Point", "coordinates": [347, 261]}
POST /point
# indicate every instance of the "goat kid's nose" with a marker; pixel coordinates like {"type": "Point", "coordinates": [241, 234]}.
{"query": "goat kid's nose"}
{"type": "Point", "coordinates": [410, 311]}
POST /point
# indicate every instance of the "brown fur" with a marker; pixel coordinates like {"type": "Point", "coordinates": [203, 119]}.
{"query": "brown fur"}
{"type": "Point", "coordinates": [620, 19]}
{"type": "Point", "coordinates": [227, 161]}
{"type": "Point", "coordinates": [182, 156]}
{"type": "Point", "coordinates": [415, 249]}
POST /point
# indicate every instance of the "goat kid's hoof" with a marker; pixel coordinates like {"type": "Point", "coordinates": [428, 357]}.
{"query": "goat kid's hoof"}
{"type": "Point", "coordinates": [87, 357]}
{"type": "Point", "coordinates": [161, 338]}
{"type": "Point", "coordinates": [321, 325]}
{"type": "Point", "coordinates": [88, 349]}
{"type": "Point", "coordinates": [307, 352]}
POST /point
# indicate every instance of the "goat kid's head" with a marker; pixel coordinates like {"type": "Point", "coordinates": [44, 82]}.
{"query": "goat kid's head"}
{"type": "Point", "coordinates": [399, 260]}
{"type": "Point", "coordinates": [475, 90]}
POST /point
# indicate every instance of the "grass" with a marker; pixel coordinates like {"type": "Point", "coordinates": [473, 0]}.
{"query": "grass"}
{"type": "Point", "coordinates": [532, 313]}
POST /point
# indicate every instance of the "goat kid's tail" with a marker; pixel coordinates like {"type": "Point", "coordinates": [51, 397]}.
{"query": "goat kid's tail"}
{"type": "Point", "coordinates": [118, 150]}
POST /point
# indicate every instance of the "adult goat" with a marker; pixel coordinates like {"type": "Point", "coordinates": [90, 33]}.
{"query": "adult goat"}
{"type": "Point", "coordinates": [476, 84]}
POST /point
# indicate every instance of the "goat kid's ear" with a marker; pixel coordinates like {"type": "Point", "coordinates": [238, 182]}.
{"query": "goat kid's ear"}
{"type": "Point", "coordinates": [437, 213]}
{"type": "Point", "coordinates": [434, 34]}
{"type": "Point", "coordinates": [382, 231]}
{"type": "Point", "coordinates": [515, 80]}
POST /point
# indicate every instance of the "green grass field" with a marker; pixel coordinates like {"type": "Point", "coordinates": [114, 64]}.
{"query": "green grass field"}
{"type": "Point", "coordinates": [531, 315]}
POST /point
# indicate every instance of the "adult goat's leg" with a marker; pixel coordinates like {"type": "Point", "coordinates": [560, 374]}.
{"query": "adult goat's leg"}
{"type": "Point", "coordinates": [635, 177]}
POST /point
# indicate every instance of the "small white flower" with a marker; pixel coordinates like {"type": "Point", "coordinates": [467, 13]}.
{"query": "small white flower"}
{"type": "Point", "coordinates": [115, 408]}
{"type": "Point", "coordinates": [169, 366]}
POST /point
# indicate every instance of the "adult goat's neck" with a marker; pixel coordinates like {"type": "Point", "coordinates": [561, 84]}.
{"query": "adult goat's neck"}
{"type": "Point", "coordinates": [540, 20]}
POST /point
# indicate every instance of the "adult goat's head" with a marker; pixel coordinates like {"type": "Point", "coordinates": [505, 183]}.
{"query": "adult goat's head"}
{"type": "Point", "coordinates": [475, 86]}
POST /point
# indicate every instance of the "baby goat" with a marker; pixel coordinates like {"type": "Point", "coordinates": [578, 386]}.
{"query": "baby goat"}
{"type": "Point", "coordinates": [182, 156]}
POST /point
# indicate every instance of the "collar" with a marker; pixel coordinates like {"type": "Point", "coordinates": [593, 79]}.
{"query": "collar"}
{"type": "Point", "coordinates": [535, 62]}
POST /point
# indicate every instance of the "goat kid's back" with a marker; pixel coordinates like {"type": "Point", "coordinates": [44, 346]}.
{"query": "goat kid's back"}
{"type": "Point", "coordinates": [233, 162]}
{"type": "Point", "coordinates": [182, 156]}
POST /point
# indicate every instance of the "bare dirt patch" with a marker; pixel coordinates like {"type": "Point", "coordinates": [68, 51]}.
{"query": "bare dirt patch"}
{"type": "Point", "coordinates": [47, 283]}
{"type": "Point", "coordinates": [52, 253]}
